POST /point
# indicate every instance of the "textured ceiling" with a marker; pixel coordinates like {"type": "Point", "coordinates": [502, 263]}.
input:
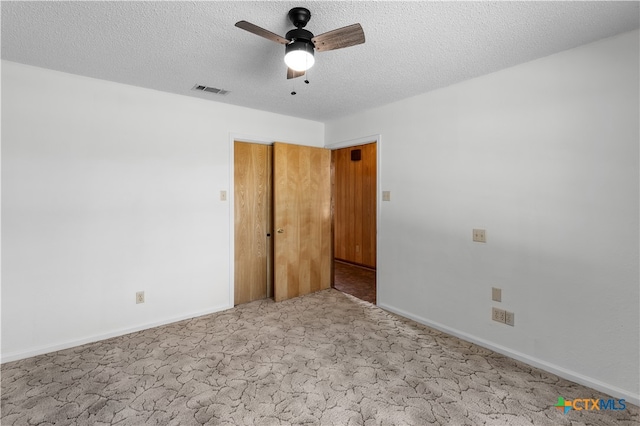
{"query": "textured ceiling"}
{"type": "Point", "coordinates": [411, 47]}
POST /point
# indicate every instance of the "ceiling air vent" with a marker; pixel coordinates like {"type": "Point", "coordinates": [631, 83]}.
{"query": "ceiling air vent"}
{"type": "Point", "coordinates": [214, 90]}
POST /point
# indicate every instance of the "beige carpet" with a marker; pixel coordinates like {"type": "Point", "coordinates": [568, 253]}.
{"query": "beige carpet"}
{"type": "Point", "coordinates": [323, 359]}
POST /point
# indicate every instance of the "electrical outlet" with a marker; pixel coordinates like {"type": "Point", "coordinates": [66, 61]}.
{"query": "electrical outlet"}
{"type": "Point", "coordinates": [480, 235]}
{"type": "Point", "coordinates": [497, 315]}
{"type": "Point", "coordinates": [140, 297]}
{"type": "Point", "coordinates": [496, 294]}
{"type": "Point", "coordinates": [509, 318]}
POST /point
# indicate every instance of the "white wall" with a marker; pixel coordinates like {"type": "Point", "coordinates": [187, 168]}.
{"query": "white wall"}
{"type": "Point", "coordinates": [110, 189]}
{"type": "Point", "coordinates": [545, 157]}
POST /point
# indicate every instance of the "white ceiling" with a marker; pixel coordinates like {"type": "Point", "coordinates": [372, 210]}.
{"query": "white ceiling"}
{"type": "Point", "coordinates": [411, 47]}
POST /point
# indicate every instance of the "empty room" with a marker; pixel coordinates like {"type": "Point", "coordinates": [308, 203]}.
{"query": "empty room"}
{"type": "Point", "coordinates": [174, 206]}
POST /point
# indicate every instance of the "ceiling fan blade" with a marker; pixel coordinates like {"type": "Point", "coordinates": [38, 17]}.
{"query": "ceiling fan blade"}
{"type": "Point", "coordinates": [294, 74]}
{"type": "Point", "coordinates": [337, 39]}
{"type": "Point", "coordinates": [252, 28]}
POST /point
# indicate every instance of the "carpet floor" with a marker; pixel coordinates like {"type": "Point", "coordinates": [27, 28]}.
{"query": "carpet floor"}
{"type": "Point", "coordinates": [323, 359]}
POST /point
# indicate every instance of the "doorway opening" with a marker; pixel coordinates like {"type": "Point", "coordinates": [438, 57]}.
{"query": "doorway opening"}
{"type": "Point", "coordinates": [354, 189]}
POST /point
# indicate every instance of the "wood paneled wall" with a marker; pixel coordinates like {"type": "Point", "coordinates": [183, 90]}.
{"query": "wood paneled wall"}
{"type": "Point", "coordinates": [355, 205]}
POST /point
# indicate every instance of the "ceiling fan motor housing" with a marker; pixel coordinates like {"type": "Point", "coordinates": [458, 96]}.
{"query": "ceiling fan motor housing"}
{"type": "Point", "coordinates": [299, 16]}
{"type": "Point", "coordinates": [299, 34]}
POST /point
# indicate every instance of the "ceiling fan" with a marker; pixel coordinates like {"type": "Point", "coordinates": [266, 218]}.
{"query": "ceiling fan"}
{"type": "Point", "coordinates": [301, 44]}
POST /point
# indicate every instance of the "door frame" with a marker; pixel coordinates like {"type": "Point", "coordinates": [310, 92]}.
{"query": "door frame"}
{"type": "Point", "coordinates": [377, 139]}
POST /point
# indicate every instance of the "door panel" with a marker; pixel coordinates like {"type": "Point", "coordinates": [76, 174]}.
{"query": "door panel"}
{"type": "Point", "coordinates": [252, 207]}
{"type": "Point", "coordinates": [302, 219]}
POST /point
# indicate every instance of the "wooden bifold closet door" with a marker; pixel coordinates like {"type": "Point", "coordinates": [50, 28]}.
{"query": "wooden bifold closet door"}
{"type": "Point", "coordinates": [302, 220]}
{"type": "Point", "coordinates": [252, 216]}
{"type": "Point", "coordinates": [282, 216]}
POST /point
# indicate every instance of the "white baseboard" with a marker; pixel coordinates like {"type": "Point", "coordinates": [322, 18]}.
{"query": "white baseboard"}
{"type": "Point", "coordinates": [15, 356]}
{"type": "Point", "coordinates": [534, 362]}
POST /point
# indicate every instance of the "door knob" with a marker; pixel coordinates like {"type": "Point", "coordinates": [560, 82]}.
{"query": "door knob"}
{"type": "Point", "coordinates": [280, 231]}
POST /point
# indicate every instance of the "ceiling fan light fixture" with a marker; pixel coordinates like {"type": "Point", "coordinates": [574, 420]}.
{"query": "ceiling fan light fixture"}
{"type": "Point", "coordinates": [299, 55]}
{"type": "Point", "coordinates": [301, 44]}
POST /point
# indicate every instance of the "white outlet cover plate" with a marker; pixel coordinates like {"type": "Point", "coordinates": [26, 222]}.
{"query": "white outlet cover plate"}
{"type": "Point", "coordinates": [480, 235]}
{"type": "Point", "coordinates": [497, 315]}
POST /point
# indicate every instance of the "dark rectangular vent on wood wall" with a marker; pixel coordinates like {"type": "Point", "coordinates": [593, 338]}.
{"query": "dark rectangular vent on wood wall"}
{"type": "Point", "coordinates": [214, 90]}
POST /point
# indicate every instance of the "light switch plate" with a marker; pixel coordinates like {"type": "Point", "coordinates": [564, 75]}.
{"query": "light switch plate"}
{"type": "Point", "coordinates": [223, 195]}
{"type": "Point", "coordinates": [386, 195]}
{"type": "Point", "coordinates": [496, 294]}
